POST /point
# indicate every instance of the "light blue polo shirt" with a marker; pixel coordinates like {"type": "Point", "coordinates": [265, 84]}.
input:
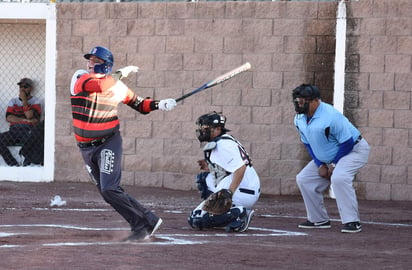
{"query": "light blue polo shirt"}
{"type": "Point", "coordinates": [314, 133]}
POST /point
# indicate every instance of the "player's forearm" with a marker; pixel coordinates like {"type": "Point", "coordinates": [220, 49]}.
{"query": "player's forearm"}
{"type": "Point", "coordinates": [237, 178]}
{"type": "Point", "coordinates": [15, 119]}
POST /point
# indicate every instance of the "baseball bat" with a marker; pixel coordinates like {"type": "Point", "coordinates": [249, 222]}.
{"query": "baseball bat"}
{"type": "Point", "coordinates": [218, 80]}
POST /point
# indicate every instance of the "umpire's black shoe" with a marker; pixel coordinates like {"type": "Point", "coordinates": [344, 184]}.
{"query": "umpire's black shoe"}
{"type": "Point", "coordinates": [352, 227]}
{"type": "Point", "coordinates": [138, 235]}
{"type": "Point", "coordinates": [315, 225]}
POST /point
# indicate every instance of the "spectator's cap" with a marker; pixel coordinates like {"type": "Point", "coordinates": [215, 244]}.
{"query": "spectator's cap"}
{"type": "Point", "coordinates": [25, 81]}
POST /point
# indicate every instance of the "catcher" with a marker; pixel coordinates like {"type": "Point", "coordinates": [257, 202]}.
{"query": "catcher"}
{"type": "Point", "coordinates": [228, 183]}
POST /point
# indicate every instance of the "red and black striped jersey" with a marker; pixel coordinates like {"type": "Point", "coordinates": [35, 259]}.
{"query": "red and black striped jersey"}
{"type": "Point", "coordinates": [94, 106]}
{"type": "Point", "coordinates": [15, 107]}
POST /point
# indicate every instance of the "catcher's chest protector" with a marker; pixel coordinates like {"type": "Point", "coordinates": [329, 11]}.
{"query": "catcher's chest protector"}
{"type": "Point", "coordinates": [217, 171]}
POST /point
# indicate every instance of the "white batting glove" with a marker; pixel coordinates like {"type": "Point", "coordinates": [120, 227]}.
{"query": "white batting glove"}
{"type": "Point", "coordinates": [167, 104]}
{"type": "Point", "coordinates": [126, 70]}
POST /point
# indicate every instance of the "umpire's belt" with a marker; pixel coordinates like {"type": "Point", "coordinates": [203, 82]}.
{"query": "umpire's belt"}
{"type": "Point", "coordinates": [247, 191]}
{"type": "Point", "coordinates": [95, 143]}
{"type": "Point", "coordinates": [358, 139]}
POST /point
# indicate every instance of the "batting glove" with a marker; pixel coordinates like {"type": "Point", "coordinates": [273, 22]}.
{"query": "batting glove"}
{"type": "Point", "coordinates": [126, 70]}
{"type": "Point", "coordinates": [167, 104]}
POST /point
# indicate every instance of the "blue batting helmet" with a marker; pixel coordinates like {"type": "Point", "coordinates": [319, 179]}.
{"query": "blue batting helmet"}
{"type": "Point", "coordinates": [104, 54]}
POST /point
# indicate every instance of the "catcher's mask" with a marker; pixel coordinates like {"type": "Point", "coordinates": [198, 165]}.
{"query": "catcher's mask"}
{"type": "Point", "coordinates": [307, 93]}
{"type": "Point", "coordinates": [208, 121]}
{"type": "Point", "coordinates": [104, 54]}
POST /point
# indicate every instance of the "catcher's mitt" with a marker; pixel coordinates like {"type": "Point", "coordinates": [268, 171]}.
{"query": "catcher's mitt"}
{"type": "Point", "coordinates": [219, 202]}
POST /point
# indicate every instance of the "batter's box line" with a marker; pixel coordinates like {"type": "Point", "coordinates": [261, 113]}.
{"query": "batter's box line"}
{"type": "Point", "coordinates": [272, 232]}
{"type": "Point", "coordinates": [159, 239]}
{"type": "Point", "coordinates": [72, 227]}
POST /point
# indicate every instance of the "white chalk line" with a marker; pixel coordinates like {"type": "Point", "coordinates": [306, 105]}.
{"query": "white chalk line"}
{"type": "Point", "coordinates": [180, 212]}
{"type": "Point", "coordinates": [63, 227]}
{"type": "Point", "coordinates": [62, 209]}
{"type": "Point", "coordinates": [338, 220]}
{"type": "Point", "coordinates": [165, 239]}
{"type": "Point", "coordinates": [169, 239]}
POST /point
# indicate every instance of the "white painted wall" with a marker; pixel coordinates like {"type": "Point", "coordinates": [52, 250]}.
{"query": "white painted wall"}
{"type": "Point", "coordinates": [23, 17]}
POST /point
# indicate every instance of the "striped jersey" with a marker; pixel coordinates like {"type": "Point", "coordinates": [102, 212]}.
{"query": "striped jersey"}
{"type": "Point", "coordinates": [15, 107]}
{"type": "Point", "coordinates": [94, 102]}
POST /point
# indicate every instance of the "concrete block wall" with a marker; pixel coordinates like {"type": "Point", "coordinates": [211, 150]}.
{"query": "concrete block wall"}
{"type": "Point", "coordinates": [378, 94]}
{"type": "Point", "coordinates": [180, 46]}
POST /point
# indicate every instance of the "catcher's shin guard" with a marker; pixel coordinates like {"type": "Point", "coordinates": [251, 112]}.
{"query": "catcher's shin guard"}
{"type": "Point", "coordinates": [197, 221]}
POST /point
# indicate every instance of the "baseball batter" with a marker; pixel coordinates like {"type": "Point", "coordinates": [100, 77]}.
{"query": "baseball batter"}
{"type": "Point", "coordinates": [228, 167]}
{"type": "Point", "coordinates": [95, 95]}
{"type": "Point", "coordinates": [338, 152]}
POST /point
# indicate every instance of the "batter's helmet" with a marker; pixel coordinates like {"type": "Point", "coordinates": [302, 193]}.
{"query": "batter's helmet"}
{"type": "Point", "coordinates": [104, 54]}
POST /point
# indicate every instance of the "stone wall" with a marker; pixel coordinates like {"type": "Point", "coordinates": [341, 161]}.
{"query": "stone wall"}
{"type": "Point", "coordinates": [180, 46]}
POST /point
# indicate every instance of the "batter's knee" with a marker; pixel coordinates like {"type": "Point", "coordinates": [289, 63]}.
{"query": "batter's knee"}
{"type": "Point", "coordinates": [108, 195]}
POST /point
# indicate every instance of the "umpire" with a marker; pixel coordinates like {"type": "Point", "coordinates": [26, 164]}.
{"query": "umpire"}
{"type": "Point", "coordinates": [338, 152]}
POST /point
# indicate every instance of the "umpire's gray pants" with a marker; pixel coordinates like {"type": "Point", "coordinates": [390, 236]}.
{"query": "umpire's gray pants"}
{"type": "Point", "coordinates": [312, 186]}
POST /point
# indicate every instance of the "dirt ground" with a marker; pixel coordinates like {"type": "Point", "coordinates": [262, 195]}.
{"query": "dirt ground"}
{"type": "Point", "coordinates": [86, 233]}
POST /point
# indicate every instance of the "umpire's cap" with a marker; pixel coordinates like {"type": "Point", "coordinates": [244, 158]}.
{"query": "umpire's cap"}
{"type": "Point", "coordinates": [306, 91]}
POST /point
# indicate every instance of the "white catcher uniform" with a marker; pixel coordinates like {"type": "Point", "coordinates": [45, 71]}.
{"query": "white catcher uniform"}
{"type": "Point", "coordinates": [225, 156]}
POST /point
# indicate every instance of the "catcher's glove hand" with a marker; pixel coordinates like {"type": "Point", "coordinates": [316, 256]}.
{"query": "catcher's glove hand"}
{"type": "Point", "coordinates": [219, 202]}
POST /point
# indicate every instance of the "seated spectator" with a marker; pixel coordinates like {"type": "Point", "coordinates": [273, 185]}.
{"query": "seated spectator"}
{"type": "Point", "coordinates": [23, 114]}
{"type": "Point", "coordinates": [33, 148]}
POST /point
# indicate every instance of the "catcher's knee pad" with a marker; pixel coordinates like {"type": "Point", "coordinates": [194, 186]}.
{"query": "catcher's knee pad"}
{"type": "Point", "coordinates": [195, 219]}
{"type": "Point", "coordinates": [195, 223]}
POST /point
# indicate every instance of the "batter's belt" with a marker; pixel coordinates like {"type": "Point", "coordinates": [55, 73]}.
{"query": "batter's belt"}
{"type": "Point", "coordinates": [94, 143]}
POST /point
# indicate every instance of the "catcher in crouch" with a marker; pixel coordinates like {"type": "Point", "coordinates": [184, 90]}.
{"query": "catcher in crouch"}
{"type": "Point", "coordinates": [228, 183]}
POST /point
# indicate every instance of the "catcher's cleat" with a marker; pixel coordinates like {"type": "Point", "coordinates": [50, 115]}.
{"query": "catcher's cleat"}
{"type": "Point", "coordinates": [246, 220]}
{"type": "Point", "coordinates": [317, 225]}
{"type": "Point", "coordinates": [234, 226]}
{"type": "Point", "coordinates": [156, 226]}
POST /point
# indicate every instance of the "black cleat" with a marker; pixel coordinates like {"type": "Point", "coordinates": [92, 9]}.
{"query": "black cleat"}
{"type": "Point", "coordinates": [352, 227]}
{"type": "Point", "coordinates": [155, 227]}
{"type": "Point", "coordinates": [317, 225]}
{"type": "Point", "coordinates": [138, 235]}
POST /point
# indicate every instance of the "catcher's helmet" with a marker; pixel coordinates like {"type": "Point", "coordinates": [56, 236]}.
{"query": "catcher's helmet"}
{"type": "Point", "coordinates": [206, 121]}
{"type": "Point", "coordinates": [104, 54]}
{"type": "Point", "coordinates": [212, 119]}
